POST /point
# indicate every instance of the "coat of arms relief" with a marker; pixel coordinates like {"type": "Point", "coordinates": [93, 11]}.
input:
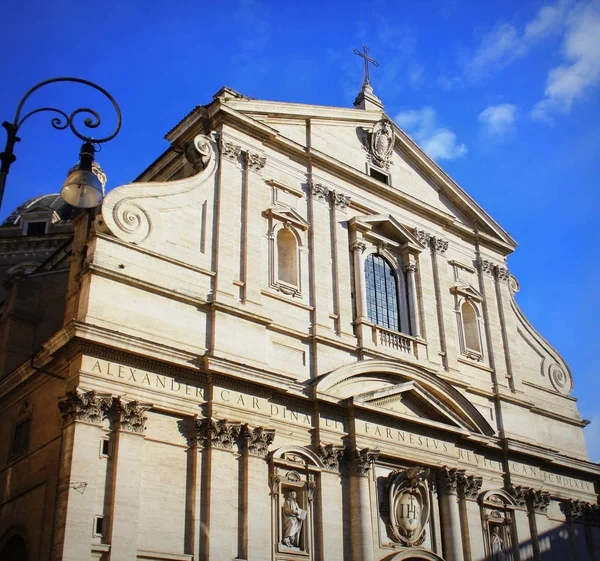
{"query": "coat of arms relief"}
{"type": "Point", "coordinates": [379, 143]}
{"type": "Point", "coordinates": [406, 507]}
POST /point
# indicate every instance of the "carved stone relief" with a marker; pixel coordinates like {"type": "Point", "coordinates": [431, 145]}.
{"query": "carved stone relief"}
{"type": "Point", "coordinates": [330, 455]}
{"type": "Point", "coordinates": [319, 192]}
{"type": "Point", "coordinates": [561, 381]}
{"type": "Point", "coordinates": [258, 440]}
{"type": "Point", "coordinates": [256, 162]}
{"type": "Point", "coordinates": [406, 508]}
{"type": "Point", "coordinates": [448, 480]}
{"type": "Point", "coordinates": [85, 406]}
{"type": "Point", "coordinates": [362, 460]}
{"type": "Point", "coordinates": [131, 415]}
{"type": "Point", "coordinates": [379, 143]}
{"type": "Point", "coordinates": [229, 150]}
{"type": "Point", "coordinates": [469, 486]}
{"type": "Point", "coordinates": [340, 200]}
{"type": "Point", "coordinates": [217, 433]}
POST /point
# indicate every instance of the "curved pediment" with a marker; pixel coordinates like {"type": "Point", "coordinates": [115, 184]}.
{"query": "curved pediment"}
{"type": "Point", "coordinates": [405, 391]}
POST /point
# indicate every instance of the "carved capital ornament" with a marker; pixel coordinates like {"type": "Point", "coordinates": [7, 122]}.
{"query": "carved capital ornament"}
{"type": "Point", "coordinates": [362, 460]}
{"type": "Point", "coordinates": [217, 433]}
{"type": "Point", "coordinates": [330, 455]}
{"type": "Point", "coordinates": [89, 406]}
{"type": "Point", "coordinates": [258, 440]}
{"type": "Point", "coordinates": [131, 415]}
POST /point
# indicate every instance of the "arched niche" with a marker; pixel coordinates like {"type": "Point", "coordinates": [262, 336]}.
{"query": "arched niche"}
{"type": "Point", "coordinates": [13, 548]}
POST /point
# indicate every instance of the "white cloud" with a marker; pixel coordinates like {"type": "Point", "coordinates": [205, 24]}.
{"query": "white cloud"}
{"type": "Point", "coordinates": [498, 119]}
{"type": "Point", "coordinates": [505, 43]}
{"type": "Point", "coordinates": [440, 143]}
{"type": "Point", "coordinates": [580, 70]}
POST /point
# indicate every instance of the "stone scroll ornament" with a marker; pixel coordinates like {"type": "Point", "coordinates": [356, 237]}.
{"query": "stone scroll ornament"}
{"type": "Point", "coordinates": [407, 507]}
{"type": "Point", "coordinates": [133, 212]}
{"type": "Point", "coordinates": [379, 143]}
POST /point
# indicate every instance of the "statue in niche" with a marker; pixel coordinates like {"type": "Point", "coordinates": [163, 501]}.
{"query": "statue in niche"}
{"type": "Point", "coordinates": [292, 519]}
{"type": "Point", "coordinates": [498, 547]}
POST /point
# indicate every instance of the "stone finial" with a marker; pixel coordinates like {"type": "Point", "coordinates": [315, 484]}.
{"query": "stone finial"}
{"type": "Point", "coordinates": [319, 192]}
{"type": "Point", "coordinates": [330, 455]}
{"type": "Point", "coordinates": [362, 460]}
{"type": "Point", "coordinates": [258, 440]}
{"type": "Point", "coordinates": [469, 486]}
{"type": "Point", "coordinates": [217, 433]}
{"type": "Point", "coordinates": [89, 406]}
{"type": "Point", "coordinates": [448, 479]}
{"type": "Point", "coordinates": [131, 415]}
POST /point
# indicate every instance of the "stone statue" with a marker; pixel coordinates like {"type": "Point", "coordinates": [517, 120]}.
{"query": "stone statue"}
{"type": "Point", "coordinates": [498, 548]}
{"type": "Point", "coordinates": [293, 516]}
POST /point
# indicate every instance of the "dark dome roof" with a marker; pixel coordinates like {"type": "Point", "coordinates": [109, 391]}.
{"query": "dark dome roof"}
{"type": "Point", "coordinates": [52, 203]}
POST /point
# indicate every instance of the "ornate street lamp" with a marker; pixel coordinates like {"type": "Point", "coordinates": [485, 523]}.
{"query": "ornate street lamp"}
{"type": "Point", "coordinates": [82, 188]}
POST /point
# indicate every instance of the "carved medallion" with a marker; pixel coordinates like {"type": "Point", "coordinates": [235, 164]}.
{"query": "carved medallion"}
{"type": "Point", "coordinates": [407, 506]}
{"type": "Point", "coordinates": [382, 141]}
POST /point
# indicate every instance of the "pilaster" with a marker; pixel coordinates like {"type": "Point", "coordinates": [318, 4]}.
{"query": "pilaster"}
{"type": "Point", "coordinates": [127, 470]}
{"type": "Point", "coordinates": [252, 227]}
{"type": "Point", "coordinates": [226, 243]}
{"type": "Point", "coordinates": [219, 438]}
{"type": "Point", "coordinates": [321, 258]}
{"type": "Point", "coordinates": [83, 413]}
{"type": "Point", "coordinates": [469, 487]}
{"type": "Point", "coordinates": [257, 527]}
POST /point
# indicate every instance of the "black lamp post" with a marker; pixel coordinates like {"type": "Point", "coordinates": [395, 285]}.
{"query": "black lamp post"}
{"type": "Point", "coordinates": [82, 188]}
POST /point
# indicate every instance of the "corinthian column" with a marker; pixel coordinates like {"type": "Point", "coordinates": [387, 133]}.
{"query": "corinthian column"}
{"type": "Point", "coordinates": [448, 480]}
{"type": "Point", "coordinates": [360, 504]}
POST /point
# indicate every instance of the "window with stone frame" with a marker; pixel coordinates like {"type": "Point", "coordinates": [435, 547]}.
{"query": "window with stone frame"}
{"type": "Point", "coordinates": [470, 328]}
{"type": "Point", "coordinates": [381, 287]}
{"type": "Point", "coordinates": [286, 242]}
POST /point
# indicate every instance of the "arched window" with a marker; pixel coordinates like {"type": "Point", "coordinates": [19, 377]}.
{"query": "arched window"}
{"type": "Point", "coordinates": [287, 257]}
{"type": "Point", "coordinates": [470, 327]}
{"type": "Point", "coordinates": [382, 292]}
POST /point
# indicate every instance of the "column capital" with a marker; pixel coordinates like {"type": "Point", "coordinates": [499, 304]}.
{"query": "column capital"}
{"type": "Point", "coordinates": [574, 510]}
{"type": "Point", "coordinates": [229, 150]}
{"type": "Point", "coordinates": [88, 406]}
{"type": "Point", "coordinates": [539, 500]}
{"type": "Point", "coordinates": [319, 192]}
{"type": "Point", "coordinates": [362, 460]}
{"type": "Point", "coordinates": [221, 433]}
{"type": "Point", "coordinates": [469, 486]}
{"type": "Point", "coordinates": [340, 200]}
{"type": "Point", "coordinates": [257, 440]}
{"type": "Point", "coordinates": [438, 244]}
{"type": "Point", "coordinates": [448, 480]}
{"type": "Point", "coordinates": [330, 455]}
{"type": "Point", "coordinates": [131, 415]}
{"type": "Point", "coordinates": [255, 162]}
{"type": "Point", "coordinates": [359, 245]}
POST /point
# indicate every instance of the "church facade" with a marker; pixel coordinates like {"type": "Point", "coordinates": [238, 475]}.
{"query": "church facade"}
{"type": "Point", "coordinates": [292, 338]}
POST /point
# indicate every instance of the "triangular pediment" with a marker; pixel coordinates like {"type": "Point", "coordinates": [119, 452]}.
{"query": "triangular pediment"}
{"type": "Point", "coordinates": [388, 226]}
{"type": "Point", "coordinates": [405, 392]}
{"type": "Point", "coordinates": [412, 399]}
{"type": "Point", "coordinates": [467, 291]}
{"type": "Point", "coordinates": [287, 214]}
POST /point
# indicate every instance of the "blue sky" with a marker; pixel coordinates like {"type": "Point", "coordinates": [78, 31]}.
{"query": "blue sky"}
{"type": "Point", "coordinates": [503, 94]}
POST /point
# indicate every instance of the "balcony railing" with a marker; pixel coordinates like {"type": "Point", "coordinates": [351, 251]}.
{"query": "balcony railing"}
{"type": "Point", "coordinates": [383, 337]}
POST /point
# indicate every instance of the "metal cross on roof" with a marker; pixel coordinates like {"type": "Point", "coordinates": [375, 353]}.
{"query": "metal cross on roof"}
{"type": "Point", "coordinates": [365, 55]}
